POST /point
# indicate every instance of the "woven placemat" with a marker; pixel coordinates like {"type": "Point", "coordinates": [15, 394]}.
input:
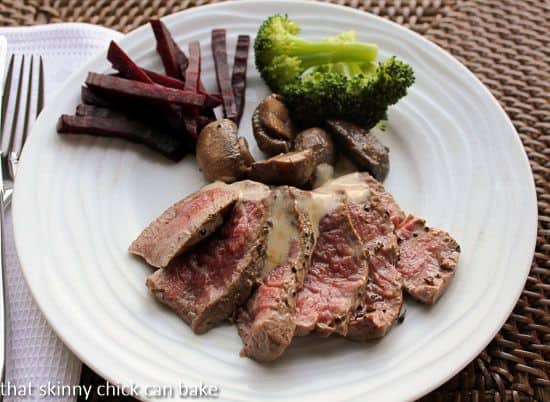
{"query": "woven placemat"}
{"type": "Point", "coordinates": [125, 15]}
{"type": "Point", "coordinates": [506, 43]}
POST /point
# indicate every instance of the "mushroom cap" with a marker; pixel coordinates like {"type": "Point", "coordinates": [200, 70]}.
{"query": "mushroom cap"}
{"type": "Point", "coordinates": [272, 126]}
{"type": "Point", "coordinates": [267, 144]}
{"type": "Point", "coordinates": [221, 155]}
{"type": "Point", "coordinates": [293, 169]}
{"type": "Point", "coordinates": [319, 141]}
{"type": "Point", "coordinates": [275, 118]}
{"type": "Point", "coordinates": [362, 147]}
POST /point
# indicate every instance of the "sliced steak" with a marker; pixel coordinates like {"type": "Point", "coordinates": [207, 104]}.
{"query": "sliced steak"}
{"type": "Point", "coordinates": [338, 273]}
{"type": "Point", "coordinates": [361, 180]}
{"type": "Point", "coordinates": [381, 304]}
{"type": "Point", "coordinates": [383, 298]}
{"type": "Point", "coordinates": [266, 323]}
{"type": "Point", "coordinates": [363, 147]}
{"type": "Point", "coordinates": [427, 256]}
{"type": "Point", "coordinates": [397, 215]}
{"type": "Point", "coordinates": [427, 259]}
{"type": "Point", "coordinates": [205, 285]}
{"type": "Point", "coordinates": [183, 225]}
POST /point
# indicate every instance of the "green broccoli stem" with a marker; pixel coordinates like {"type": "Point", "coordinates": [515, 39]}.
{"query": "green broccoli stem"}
{"type": "Point", "coordinates": [353, 69]}
{"type": "Point", "coordinates": [318, 53]}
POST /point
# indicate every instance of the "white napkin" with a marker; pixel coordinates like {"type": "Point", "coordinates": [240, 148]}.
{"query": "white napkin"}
{"type": "Point", "coordinates": [35, 355]}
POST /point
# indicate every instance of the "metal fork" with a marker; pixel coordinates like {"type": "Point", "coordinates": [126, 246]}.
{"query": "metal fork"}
{"type": "Point", "coordinates": [12, 139]}
{"type": "Point", "coordinates": [11, 151]}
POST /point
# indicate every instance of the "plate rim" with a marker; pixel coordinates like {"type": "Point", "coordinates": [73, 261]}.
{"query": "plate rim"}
{"type": "Point", "coordinates": [441, 379]}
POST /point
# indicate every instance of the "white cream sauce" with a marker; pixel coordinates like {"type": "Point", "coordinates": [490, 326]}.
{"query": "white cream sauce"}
{"type": "Point", "coordinates": [316, 205]}
{"type": "Point", "coordinates": [323, 173]}
{"type": "Point", "coordinates": [250, 190]}
{"type": "Point", "coordinates": [352, 185]}
{"type": "Point", "coordinates": [284, 230]}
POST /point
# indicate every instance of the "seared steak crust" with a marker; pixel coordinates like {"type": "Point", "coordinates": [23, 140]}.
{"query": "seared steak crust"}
{"type": "Point", "coordinates": [336, 279]}
{"type": "Point", "coordinates": [427, 259]}
{"type": "Point", "coordinates": [380, 306]}
{"type": "Point", "coordinates": [266, 323]}
{"type": "Point", "coordinates": [207, 284]}
{"type": "Point", "coordinates": [183, 225]}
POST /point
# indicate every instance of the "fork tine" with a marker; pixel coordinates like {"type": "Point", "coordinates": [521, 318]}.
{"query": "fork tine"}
{"type": "Point", "coordinates": [27, 108]}
{"type": "Point", "coordinates": [7, 87]}
{"type": "Point", "coordinates": [16, 108]}
{"type": "Point", "coordinates": [40, 101]}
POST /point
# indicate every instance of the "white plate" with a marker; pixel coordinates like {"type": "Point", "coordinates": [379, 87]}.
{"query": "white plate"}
{"type": "Point", "coordinates": [455, 159]}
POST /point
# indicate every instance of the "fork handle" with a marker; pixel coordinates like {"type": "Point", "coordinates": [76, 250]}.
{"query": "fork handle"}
{"type": "Point", "coordinates": [3, 298]}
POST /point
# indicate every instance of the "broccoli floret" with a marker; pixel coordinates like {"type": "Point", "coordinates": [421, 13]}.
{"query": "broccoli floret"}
{"type": "Point", "coordinates": [337, 77]}
{"type": "Point", "coordinates": [281, 56]}
{"type": "Point", "coordinates": [362, 98]}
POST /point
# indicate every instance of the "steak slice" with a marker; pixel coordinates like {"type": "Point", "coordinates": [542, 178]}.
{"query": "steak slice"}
{"type": "Point", "coordinates": [338, 273]}
{"type": "Point", "coordinates": [362, 147]}
{"type": "Point", "coordinates": [205, 285]}
{"type": "Point", "coordinates": [266, 323]}
{"type": "Point", "coordinates": [376, 188]}
{"type": "Point", "coordinates": [427, 256]}
{"type": "Point", "coordinates": [427, 259]}
{"type": "Point", "coordinates": [184, 224]}
{"type": "Point", "coordinates": [361, 181]}
{"type": "Point", "coordinates": [381, 304]}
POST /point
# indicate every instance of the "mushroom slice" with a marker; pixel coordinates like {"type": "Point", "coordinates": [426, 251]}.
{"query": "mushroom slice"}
{"type": "Point", "coordinates": [272, 126]}
{"type": "Point", "coordinates": [247, 157]}
{"type": "Point", "coordinates": [221, 154]}
{"type": "Point", "coordinates": [319, 141]}
{"type": "Point", "coordinates": [292, 168]}
{"type": "Point", "coordinates": [363, 147]}
{"type": "Point", "coordinates": [268, 145]}
{"type": "Point", "coordinates": [275, 117]}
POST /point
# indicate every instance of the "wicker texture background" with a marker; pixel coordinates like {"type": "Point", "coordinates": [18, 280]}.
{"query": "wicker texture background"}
{"type": "Point", "coordinates": [506, 43]}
